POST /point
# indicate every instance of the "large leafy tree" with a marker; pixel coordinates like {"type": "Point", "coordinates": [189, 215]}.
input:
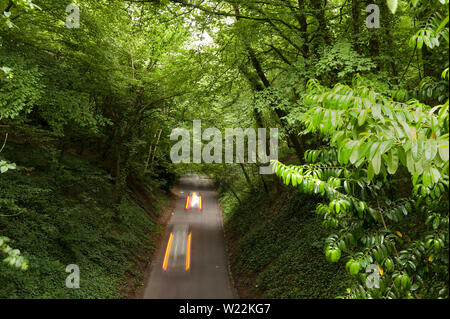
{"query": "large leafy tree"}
{"type": "Point", "coordinates": [384, 174]}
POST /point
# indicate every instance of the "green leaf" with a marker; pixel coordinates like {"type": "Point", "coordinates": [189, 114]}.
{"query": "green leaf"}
{"type": "Point", "coordinates": [415, 177]}
{"type": "Point", "coordinates": [376, 112]}
{"type": "Point", "coordinates": [419, 43]}
{"type": "Point", "coordinates": [294, 180]}
{"type": "Point", "coordinates": [435, 174]}
{"type": "Point", "coordinates": [443, 24]}
{"type": "Point", "coordinates": [335, 255]}
{"type": "Point", "coordinates": [418, 166]}
{"type": "Point", "coordinates": [376, 162]}
{"type": "Point", "coordinates": [278, 169]}
{"type": "Point", "coordinates": [373, 150]}
{"type": "Point", "coordinates": [347, 150]}
{"type": "Point", "coordinates": [347, 187]}
{"type": "Point", "coordinates": [431, 149]}
{"type": "Point", "coordinates": [385, 146]}
{"type": "Point", "coordinates": [354, 268]}
{"type": "Point", "coordinates": [288, 178]}
{"type": "Point", "coordinates": [410, 162]}
{"type": "Point", "coordinates": [337, 207]}
{"type": "Point", "coordinates": [370, 172]}
{"type": "Point", "coordinates": [392, 161]}
{"type": "Point", "coordinates": [417, 149]}
{"type": "Point", "coordinates": [362, 117]}
{"type": "Point", "coordinates": [443, 151]}
{"type": "Point", "coordinates": [355, 153]}
{"type": "Point", "coordinates": [426, 179]}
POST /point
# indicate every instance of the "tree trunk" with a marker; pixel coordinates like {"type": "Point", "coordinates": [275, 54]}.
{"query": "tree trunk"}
{"type": "Point", "coordinates": [319, 13]}
{"type": "Point", "coordinates": [426, 62]}
{"type": "Point", "coordinates": [156, 145]}
{"type": "Point", "coordinates": [117, 187]}
{"type": "Point", "coordinates": [301, 18]}
{"type": "Point", "coordinates": [355, 21]}
{"type": "Point", "coordinates": [280, 113]}
{"type": "Point", "coordinates": [233, 192]}
{"type": "Point", "coordinates": [263, 181]}
{"type": "Point", "coordinates": [249, 182]}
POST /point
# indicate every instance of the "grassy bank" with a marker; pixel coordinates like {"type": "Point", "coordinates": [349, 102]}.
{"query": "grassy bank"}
{"type": "Point", "coordinates": [59, 212]}
{"type": "Point", "coordinates": [276, 247]}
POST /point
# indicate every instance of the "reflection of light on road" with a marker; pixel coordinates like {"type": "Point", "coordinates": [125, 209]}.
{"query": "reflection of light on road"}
{"type": "Point", "coordinates": [188, 203]}
{"type": "Point", "coordinates": [166, 256]}
{"type": "Point", "coordinates": [188, 252]}
{"type": "Point", "coordinates": [194, 201]}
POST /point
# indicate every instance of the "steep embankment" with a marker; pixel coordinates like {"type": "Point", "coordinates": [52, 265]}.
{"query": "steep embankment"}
{"type": "Point", "coordinates": [59, 213]}
{"type": "Point", "coordinates": [276, 247]}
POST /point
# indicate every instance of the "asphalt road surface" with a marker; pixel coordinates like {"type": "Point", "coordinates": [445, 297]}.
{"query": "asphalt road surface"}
{"type": "Point", "coordinates": [207, 277]}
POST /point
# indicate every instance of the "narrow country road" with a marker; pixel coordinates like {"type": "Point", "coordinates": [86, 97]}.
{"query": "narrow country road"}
{"type": "Point", "coordinates": [207, 276]}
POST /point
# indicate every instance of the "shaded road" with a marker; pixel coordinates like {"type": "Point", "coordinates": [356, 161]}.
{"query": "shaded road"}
{"type": "Point", "coordinates": [208, 274]}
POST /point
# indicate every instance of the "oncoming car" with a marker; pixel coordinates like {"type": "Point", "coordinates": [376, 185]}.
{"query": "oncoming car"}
{"type": "Point", "coordinates": [177, 256]}
{"type": "Point", "coordinates": [194, 200]}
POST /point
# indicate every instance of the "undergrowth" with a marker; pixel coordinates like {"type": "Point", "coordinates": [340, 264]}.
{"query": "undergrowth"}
{"type": "Point", "coordinates": [276, 247]}
{"type": "Point", "coordinates": [59, 212]}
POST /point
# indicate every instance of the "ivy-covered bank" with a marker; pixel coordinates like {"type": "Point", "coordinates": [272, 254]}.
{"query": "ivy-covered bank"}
{"type": "Point", "coordinates": [59, 213]}
{"type": "Point", "coordinates": [275, 246]}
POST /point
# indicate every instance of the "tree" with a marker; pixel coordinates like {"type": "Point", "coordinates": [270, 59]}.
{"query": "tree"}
{"type": "Point", "coordinates": [385, 167]}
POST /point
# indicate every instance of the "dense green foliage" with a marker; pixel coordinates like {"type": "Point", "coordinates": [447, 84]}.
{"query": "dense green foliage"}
{"type": "Point", "coordinates": [385, 176]}
{"type": "Point", "coordinates": [384, 172]}
{"type": "Point", "coordinates": [63, 215]}
{"type": "Point", "coordinates": [95, 92]}
{"type": "Point", "coordinates": [362, 114]}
